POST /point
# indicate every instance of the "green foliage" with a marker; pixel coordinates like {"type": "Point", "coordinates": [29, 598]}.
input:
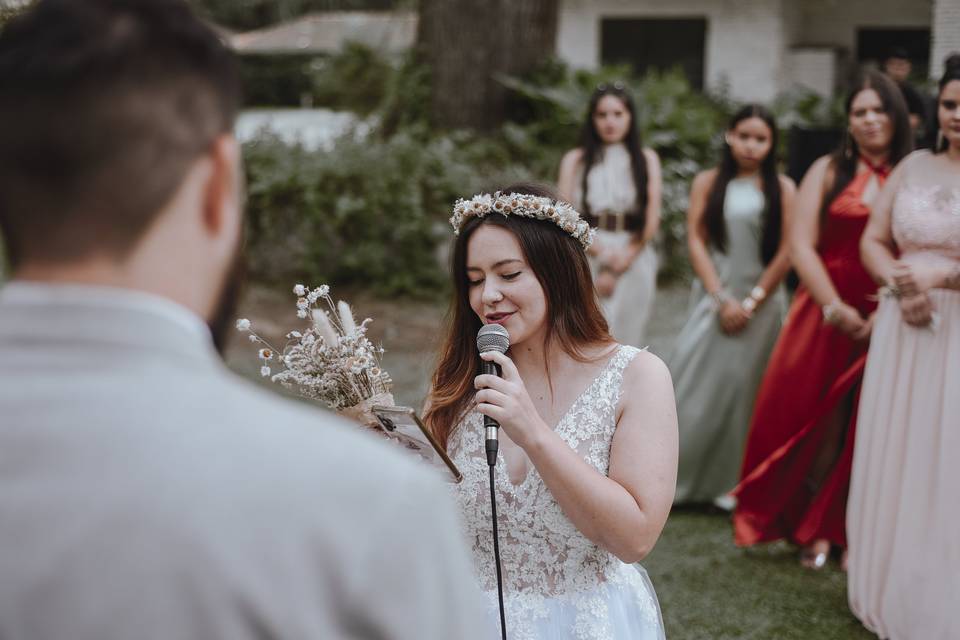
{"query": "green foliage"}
{"type": "Point", "coordinates": [372, 212]}
{"type": "Point", "coordinates": [9, 12]}
{"type": "Point", "coordinates": [354, 79]}
{"type": "Point", "coordinates": [278, 80]}
{"type": "Point", "coordinates": [808, 109]}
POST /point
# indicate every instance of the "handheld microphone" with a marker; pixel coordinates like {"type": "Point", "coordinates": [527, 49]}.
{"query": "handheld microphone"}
{"type": "Point", "coordinates": [492, 337]}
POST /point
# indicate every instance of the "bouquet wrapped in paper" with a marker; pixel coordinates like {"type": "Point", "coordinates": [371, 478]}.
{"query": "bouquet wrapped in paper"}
{"type": "Point", "coordinates": [331, 360]}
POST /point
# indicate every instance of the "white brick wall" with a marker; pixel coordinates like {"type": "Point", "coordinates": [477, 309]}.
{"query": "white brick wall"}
{"type": "Point", "coordinates": [946, 34]}
{"type": "Point", "coordinates": [812, 68]}
{"type": "Point", "coordinates": [749, 42]}
{"type": "Point", "coordinates": [743, 43]}
{"type": "Point", "coordinates": [834, 23]}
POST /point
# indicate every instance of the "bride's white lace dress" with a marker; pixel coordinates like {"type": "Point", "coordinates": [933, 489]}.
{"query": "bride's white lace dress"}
{"type": "Point", "coordinates": [557, 584]}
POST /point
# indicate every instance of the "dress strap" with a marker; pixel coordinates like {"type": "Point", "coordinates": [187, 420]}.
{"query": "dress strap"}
{"type": "Point", "coordinates": [882, 170]}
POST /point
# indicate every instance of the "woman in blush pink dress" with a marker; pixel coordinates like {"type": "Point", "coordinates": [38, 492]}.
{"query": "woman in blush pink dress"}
{"type": "Point", "coordinates": [903, 515]}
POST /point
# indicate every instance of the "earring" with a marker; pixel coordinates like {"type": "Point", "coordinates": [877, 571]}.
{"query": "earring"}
{"type": "Point", "coordinates": [940, 140]}
{"type": "Point", "coordinates": [847, 146]}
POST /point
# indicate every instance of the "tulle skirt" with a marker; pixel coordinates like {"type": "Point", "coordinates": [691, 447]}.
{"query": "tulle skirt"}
{"type": "Point", "coordinates": [621, 609]}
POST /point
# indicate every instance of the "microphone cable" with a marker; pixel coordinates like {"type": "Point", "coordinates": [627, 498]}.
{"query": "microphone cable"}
{"type": "Point", "coordinates": [496, 536]}
{"type": "Point", "coordinates": [494, 337]}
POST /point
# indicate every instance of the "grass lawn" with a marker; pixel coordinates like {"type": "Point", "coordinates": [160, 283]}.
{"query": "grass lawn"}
{"type": "Point", "coordinates": [708, 588]}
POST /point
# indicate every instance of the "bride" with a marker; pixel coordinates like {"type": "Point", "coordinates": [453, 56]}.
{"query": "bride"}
{"type": "Point", "coordinates": [588, 438]}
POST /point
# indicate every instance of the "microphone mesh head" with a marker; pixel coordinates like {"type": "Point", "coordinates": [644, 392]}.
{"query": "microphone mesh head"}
{"type": "Point", "coordinates": [493, 337]}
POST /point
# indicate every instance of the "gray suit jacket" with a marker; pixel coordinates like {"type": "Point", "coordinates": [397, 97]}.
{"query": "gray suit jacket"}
{"type": "Point", "coordinates": [146, 492]}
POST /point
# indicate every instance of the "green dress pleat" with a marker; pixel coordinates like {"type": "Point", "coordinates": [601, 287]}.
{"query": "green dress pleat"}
{"type": "Point", "coordinates": [715, 375]}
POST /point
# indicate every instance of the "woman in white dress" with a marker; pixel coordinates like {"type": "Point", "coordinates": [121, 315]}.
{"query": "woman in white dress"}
{"type": "Point", "coordinates": [616, 183]}
{"type": "Point", "coordinates": [588, 437]}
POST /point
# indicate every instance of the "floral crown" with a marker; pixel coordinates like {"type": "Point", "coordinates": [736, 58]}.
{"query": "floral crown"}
{"type": "Point", "coordinates": [518, 204]}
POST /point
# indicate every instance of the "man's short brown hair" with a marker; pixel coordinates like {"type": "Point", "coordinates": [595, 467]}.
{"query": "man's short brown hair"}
{"type": "Point", "coordinates": [104, 106]}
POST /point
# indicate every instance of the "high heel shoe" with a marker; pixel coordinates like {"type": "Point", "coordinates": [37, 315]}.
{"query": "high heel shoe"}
{"type": "Point", "coordinates": [815, 556]}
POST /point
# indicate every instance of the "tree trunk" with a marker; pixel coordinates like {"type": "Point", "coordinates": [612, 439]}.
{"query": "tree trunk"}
{"type": "Point", "coordinates": [466, 43]}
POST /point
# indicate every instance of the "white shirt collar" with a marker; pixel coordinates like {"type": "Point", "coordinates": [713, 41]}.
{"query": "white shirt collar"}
{"type": "Point", "coordinates": [24, 292]}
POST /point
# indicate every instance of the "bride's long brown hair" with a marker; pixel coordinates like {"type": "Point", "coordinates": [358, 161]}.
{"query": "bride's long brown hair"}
{"type": "Point", "coordinates": [574, 319]}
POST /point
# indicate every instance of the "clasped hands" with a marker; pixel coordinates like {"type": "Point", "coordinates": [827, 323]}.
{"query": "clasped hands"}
{"type": "Point", "coordinates": [614, 261]}
{"type": "Point", "coordinates": [733, 316]}
{"type": "Point", "coordinates": [911, 284]}
{"type": "Point", "coordinates": [506, 400]}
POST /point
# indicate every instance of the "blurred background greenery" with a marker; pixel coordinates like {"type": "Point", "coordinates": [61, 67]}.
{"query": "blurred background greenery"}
{"type": "Point", "coordinates": [378, 197]}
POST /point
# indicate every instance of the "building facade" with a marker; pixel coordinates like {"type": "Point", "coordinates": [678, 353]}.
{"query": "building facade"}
{"type": "Point", "coordinates": [753, 48]}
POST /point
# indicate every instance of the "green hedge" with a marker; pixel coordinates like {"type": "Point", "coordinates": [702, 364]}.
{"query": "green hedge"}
{"type": "Point", "coordinates": [373, 211]}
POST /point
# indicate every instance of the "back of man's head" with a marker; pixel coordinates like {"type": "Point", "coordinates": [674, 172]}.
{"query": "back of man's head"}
{"type": "Point", "coordinates": [104, 107]}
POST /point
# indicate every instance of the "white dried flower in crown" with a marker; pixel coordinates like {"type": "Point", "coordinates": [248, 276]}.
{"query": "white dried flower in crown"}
{"type": "Point", "coordinates": [527, 206]}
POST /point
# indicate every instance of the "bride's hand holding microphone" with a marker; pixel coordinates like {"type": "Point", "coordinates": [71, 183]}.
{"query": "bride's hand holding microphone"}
{"type": "Point", "coordinates": [506, 400]}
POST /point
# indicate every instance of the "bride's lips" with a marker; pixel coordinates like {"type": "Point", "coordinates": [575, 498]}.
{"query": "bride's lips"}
{"type": "Point", "coordinates": [497, 318]}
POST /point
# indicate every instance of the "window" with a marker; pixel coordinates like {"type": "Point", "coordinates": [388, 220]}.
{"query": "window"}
{"type": "Point", "coordinates": [873, 45]}
{"type": "Point", "coordinates": [655, 44]}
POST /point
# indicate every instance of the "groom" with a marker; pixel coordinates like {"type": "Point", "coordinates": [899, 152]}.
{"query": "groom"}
{"type": "Point", "coordinates": [146, 492]}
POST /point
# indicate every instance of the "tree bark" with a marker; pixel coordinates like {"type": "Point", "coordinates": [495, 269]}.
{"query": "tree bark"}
{"type": "Point", "coordinates": [466, 43]}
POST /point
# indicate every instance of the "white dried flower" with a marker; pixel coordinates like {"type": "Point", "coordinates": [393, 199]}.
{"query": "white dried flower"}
{"type": "Point", "coordinates": [332, 361]}
{"type": "Point", "coordinates": [326, 331]}
{"type": "Point", "coordinates": [346, 319]}
{"type": "Point", "coordinates": [243, 324]}
{"type": "Point", "coordinates": [253, 338]}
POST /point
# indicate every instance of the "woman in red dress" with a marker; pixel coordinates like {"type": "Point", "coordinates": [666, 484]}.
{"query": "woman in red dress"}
{"type": "Point", "coordinates": [796, 467]}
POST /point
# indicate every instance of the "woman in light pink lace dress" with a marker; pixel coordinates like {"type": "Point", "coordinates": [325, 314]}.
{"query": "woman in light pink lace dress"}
{"type": "Point", "coordinates": [903, 516]}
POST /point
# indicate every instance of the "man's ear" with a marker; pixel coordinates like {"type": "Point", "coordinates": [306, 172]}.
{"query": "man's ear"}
{"type": "Point", "coordinates": [223, 192]}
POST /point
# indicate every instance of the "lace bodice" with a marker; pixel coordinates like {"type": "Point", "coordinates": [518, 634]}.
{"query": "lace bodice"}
{"type": "Point", "coordinates": [926, 219]}
{"type": "Point", "coordinates": [610, 183]}
{"type": "Point", "coordinates": [544, 556]}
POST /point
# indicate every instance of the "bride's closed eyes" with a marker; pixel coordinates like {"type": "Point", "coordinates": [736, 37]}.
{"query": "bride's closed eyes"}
{"type": "Point", "coordinates": [507, 276]}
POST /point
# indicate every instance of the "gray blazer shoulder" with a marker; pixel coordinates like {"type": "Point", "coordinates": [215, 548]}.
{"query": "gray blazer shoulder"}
{"type": "Point", "coordinates": [151, 493]}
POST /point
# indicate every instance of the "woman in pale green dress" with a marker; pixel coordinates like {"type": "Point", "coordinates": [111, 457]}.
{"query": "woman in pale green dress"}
{"type": "Point", "coordinates": [735, 224]}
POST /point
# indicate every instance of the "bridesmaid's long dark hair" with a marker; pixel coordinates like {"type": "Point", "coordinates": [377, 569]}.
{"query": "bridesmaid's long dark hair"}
{"type": "Point", "coordinates": [592, 146]}
{"type": "Point", "coordinates": [714, 219]}
{"type": "Point", "coordinates": [846, 158]}
{"type": "Point", "coordinates": [574, 319]}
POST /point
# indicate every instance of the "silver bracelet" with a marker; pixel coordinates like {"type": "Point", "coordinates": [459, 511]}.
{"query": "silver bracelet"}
{"type": "Point", "coordinates": [720, 296]}
{"type": "Point", "coordinates": [831, 311]}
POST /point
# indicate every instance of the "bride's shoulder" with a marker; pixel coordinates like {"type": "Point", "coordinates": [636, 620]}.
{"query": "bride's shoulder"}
{"type": "Point", "coordinates": [644, 371]}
